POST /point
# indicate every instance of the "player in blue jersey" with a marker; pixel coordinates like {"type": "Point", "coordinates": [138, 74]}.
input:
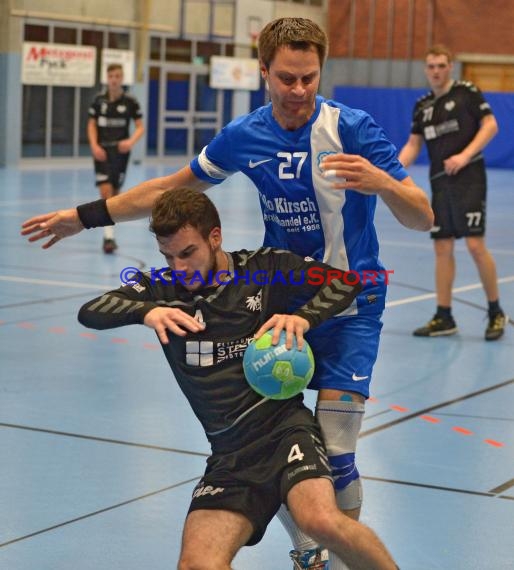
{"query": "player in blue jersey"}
{"type": "Point", "coordinates": [318, 167]}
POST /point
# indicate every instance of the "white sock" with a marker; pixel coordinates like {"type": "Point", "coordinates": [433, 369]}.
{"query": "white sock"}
{"type": "Point", "coordinates": [109, 232]}
{"type": "Point", "coordinates": [300, 540]}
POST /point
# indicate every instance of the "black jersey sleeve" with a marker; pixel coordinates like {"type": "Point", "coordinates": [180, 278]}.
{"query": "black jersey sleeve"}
{"type": "Point", "coordinates": [416, 126]}
{"type": "Point", "coordinates": [477, 104]}
{"type": "Point", "coordinates": [136, 112]}
{"type": "Point", "coordinates": [325, 290]}
{"type": "Point", "coordinates": [127, 305]}
{"type": "Point", "coordinates": [94, 108]}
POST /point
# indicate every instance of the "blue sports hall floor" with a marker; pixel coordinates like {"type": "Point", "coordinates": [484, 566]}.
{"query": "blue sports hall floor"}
{"type": "Point", "coordinates": [100, 451]}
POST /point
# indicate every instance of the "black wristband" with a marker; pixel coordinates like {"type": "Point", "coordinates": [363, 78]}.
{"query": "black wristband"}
{"type": "Point", "coordinates": [94, 214]}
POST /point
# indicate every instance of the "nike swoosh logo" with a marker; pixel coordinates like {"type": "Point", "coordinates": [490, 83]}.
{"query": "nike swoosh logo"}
{"type": "Point", "coordinates": [253, 164]}
{"type": "Point", "coordinates": [356, 378]}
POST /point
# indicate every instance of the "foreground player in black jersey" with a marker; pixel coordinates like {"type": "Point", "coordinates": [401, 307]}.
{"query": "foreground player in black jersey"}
{"type": "Point", "coordinates": [110, 140]}
{"type": "Point", "coordinates": [205, 308]}
{"type": "Point", "coordinates": [457, 123]}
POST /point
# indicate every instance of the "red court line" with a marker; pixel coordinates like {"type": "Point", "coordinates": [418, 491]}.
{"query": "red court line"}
{"type": "Point", "coordinates": [462, 430]}
{"type": "Point", "coordinates": [430, 419]}
{"type": "Point", "coordinates": [494, 443]}
{"type": "Point", "coordinates": [154, 346]}
{"type": "Point", "coordinates": [26, 326]}
{"type": "Point", "coordinates": [399, 409]}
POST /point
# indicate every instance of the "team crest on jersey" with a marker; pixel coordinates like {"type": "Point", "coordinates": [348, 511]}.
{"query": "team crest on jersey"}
{"type": "Point", "coordinates": [323, 155]}
{"type": "Point", "coordinates": [449, 105]}
{"type": "Point", "coordinates": [254, 302]}
{"type": "Point", "coordinates": [121, 108]}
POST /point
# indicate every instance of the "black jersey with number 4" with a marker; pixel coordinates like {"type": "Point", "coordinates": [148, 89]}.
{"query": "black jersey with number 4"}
{"type": "Point", "coordinates": [113, 117]}
{"type": "Point", "coordinates": [448, 123]}
{"type": "Point", "coordinates": [208, 365]}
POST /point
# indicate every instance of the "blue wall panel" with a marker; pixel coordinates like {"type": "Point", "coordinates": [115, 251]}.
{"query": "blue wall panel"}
{"type": "Point", "coordinates": [392, 109]}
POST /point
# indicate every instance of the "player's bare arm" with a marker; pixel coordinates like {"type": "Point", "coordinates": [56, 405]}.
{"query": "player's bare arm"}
{"type": "Point", "coordinates": [126, 145]}
{"type": "Point", "coordinates": [92, 135]}
{"type": "Point", "coordinates": [407, 202]}
{"type": "Point", "coordinates": [411, 150]}
{"type": "Point", "coordinates": [487, 131]}
{"type": "Point", "coordinates": [133, 204]}
{"type": "Point", "coordinates": [163, 319]}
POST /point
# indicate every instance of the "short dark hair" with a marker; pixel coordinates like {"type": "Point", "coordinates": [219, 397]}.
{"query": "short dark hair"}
{"type": "Point", "coordinates": [297, 33]}
{"type": "Point", "coordinates": [113, 66]}
{"type": "Point", "coordinates": [440, 49]}
{"type": "Point", "coordinates": [176, 209]}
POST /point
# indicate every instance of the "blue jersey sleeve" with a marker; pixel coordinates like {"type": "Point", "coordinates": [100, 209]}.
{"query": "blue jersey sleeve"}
{"type": "Point", "coordinates": [219, 159]}
{"type": "Point", "coordinates": [370, 141]}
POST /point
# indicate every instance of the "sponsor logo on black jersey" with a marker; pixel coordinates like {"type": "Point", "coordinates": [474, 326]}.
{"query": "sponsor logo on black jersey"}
{"type": "Point", "coordinates": [211, 352]}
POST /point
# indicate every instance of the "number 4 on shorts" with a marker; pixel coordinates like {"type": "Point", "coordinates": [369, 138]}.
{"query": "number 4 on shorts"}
{"type": "Point", "coordinates": [295, 454]}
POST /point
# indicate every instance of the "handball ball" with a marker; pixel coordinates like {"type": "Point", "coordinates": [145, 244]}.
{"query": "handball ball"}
{"type": "Point", "coordinates": [274, 371]}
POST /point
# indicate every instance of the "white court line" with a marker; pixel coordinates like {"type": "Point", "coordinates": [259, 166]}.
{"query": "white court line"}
{"type": "Point", "coordinates": [426, 296]}
{"type": "Point", "coordinates": [75, 285]}
{"type": "Point", "coordinates": [458, 248]}
{"type": "Point", "coordinates": [72, 284]}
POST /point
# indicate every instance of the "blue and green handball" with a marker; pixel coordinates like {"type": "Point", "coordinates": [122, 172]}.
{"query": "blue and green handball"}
{"type": "Point", "coordinates": [276, 372]}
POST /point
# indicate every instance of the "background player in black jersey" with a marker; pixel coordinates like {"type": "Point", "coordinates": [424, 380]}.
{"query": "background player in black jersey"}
{"type": "Point", "coordinates": [264, 452]}
{"type": "Point", "coordinates": [110, 140]}
{"type": "Point", "coordinates": [457, 123]}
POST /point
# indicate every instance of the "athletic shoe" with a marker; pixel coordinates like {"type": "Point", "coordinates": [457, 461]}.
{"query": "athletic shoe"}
{"type": "Point", "coordinates": [314, 559]}
{"type": "Point", "coordinates": [438, 326]}
{"type": "Point", "coordinates": [109, 246]}
{"type": "Point", "coordinates": [496, 326]}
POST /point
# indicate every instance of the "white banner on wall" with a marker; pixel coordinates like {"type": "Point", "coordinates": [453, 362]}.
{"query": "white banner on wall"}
{"type": "Point", "coordinates": [58, 64]}
{"type": "Point", "coordinates": [125, 58]}
{"type": "Point", "coordinates": [234, 73]}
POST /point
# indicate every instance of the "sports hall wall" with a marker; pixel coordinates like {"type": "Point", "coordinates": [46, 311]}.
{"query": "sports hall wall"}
{"type": "Point", "coordinates": [377, 51]}
{"type": "Point", "coordinates": [226, 21]}
{"type": "Point", "coordinates": [376, 45]}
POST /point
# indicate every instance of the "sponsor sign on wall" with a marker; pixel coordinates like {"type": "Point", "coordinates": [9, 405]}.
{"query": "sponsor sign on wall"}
{"type": "Point", "coordinates": [58, 64]}
{"type": "Point", "coordinates": [234, 73]}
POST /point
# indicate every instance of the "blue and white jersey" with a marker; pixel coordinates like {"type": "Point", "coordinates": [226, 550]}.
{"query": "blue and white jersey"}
{"type": "Point", "coordinates": [301, 211]}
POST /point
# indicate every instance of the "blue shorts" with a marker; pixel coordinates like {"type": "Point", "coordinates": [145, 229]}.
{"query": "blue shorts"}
{"type": "Point", "coordinates": [345, 351]}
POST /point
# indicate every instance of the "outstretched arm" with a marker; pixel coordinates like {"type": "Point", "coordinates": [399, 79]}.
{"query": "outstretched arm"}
{"type": "Point", "coordinates": [407, 202]}
{"type": "Point", "coordinates": [131, 205]}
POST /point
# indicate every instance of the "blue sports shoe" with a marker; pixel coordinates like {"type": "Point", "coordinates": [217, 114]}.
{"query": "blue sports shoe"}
{"type": "Point", "coordinates": [314, 559]}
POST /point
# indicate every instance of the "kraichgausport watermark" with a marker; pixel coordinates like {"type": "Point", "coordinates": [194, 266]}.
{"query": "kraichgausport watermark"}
{"type": "Point", "coordinates": [311, 276]}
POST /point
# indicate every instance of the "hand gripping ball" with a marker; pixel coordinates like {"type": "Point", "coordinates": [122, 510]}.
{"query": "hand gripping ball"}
{"type": "Point", "coordinates": [274, 371]}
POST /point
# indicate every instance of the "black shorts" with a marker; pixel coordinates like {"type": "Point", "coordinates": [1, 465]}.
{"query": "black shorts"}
{"type": "Point", "coordinates": [459, 203]}
{"type": "Point", "coordinates": [256, 479]}
{"type": "Point", "coordinates": [112, 170]}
